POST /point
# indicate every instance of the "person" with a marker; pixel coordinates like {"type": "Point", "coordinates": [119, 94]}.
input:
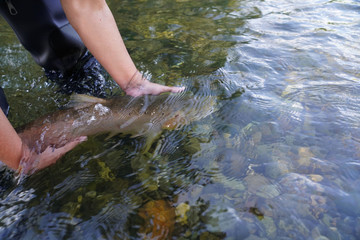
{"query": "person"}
{"type": "Point", "coordinates": [58, 33]}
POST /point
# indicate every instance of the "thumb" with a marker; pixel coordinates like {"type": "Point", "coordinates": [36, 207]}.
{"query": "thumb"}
{"type": "Point", "coordinates": [69, 146]}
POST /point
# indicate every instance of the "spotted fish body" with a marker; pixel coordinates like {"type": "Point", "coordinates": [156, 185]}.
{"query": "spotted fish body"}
{"type": "Point", "coordinates": [140, 116]}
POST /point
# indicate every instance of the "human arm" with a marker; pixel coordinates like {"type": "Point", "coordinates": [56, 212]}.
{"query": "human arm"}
{"type": "Point", "coordinates": [14, 153]}
{"type": "Point", "coordinates": [96, 26]}
{"type": "Point", "coordinates": [10, 143]}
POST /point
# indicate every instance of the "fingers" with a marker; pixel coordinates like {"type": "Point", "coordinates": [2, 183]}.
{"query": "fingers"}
{"type": "Point", "coordinates": [177, 89]}
{"type": "Point", "coordinates": [156, 89]}
{"type": "Point", "coordinates": [147, 87]}
{"type": "Point", "coordinates": [70, 145]}
{"type": "Point", "coordinates": [170, 89]}
{"type": "Point", "coordinates": [51, 155]}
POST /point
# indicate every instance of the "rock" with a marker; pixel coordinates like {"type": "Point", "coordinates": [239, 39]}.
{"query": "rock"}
{"type": "Point", "coordinates": [315, 177]}
{"type": "Point", "coordinates": [181, 213]}
{"type": "Point", "coordinates": [228, 222]}
{"type": "Point", "coordinates": [256, 137]}
{"type": "Point", "coordinates": [211, 236]}
{"type": "Point", "coordinates": [270, 226]}
{"type": "Point", "coordinates": [91, 194]}
{"type": "Point", "coordinates": [315, 232]}
{"type": "Point", "coordinates": [321, 238]}
{"type": "Point", "coordinates": [193, 146]}
{"type": "Point", "coordinates": [105, 172]}
{"type": "Point", "coordinates": [349, 204]}
{"type": "Point", "coordinates": [305, 156]}
{"type": "Point", "coordinates": [327, 220]}
{"type": "Point", "coordinates": [334, 234]}
{"type": "Point", "coordinates": [254, 237]}
{"type": "Point", "coordinates": [234, 164]}
{"type": "Point", "coordinates": [276, 169]}
{"type": "Point", "coordinates": [295, 183]}
{"type": "Point", "coordinates": [159, 218]}
{"type": "Point", "coordinates": [261, 186]}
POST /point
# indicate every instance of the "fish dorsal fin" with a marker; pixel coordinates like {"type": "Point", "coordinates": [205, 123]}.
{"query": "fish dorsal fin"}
{"type": "Point", "coordinates": [78, 101]}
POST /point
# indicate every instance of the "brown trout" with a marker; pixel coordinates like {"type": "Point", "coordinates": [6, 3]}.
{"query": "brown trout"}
{"type": "Point", "coordinates": [141, 116]}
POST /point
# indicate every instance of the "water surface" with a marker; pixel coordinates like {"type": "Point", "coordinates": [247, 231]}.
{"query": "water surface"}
{"type": "Point", "coordinates": [278, 160]}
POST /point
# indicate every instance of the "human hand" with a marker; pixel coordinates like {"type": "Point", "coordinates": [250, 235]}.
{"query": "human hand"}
{"type": "Point", "coordinates": [139, 86]}
{"type": "Point", "coordinates": [32, 161]}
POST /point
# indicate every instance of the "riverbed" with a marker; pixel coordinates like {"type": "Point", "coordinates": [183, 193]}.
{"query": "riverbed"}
{"type": "Point", "coordinates": [278, 159]}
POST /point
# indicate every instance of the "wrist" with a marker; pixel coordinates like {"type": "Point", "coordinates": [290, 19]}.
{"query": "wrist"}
{"type": "Point", "coordinates": [27, 161]}
{"type": "Point", "coordinates": [135, 84]}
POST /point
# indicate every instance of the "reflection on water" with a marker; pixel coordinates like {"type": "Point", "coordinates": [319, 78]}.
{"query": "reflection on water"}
{"type": "Point", "coordinates": [279, 159]}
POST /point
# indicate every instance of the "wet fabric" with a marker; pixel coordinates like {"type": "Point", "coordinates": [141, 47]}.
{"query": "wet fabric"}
{"type": "Point", "coordinates": [86, 77]}
{"type": "Point", "coordinates": [43, 29]}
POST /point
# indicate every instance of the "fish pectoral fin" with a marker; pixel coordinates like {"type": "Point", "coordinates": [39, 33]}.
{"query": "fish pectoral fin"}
{"type": "Point", "coordinates": [150, 139]}
{"type": "Point", "coordinates": [78, 101]}
{"type": "Point", "coordinates": [144, 131]}
{"type": "Point", "coordinates": [111, 134]}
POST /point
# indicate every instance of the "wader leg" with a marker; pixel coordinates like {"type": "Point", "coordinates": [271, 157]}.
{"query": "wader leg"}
{"type": "Point", "coordinates": [3, 103]}
{"type": "Point", "coordinates": [43, 29]}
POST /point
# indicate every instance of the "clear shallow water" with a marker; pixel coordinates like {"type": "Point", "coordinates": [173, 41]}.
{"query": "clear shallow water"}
{"type": "Point", "coordinates": [278, 160]}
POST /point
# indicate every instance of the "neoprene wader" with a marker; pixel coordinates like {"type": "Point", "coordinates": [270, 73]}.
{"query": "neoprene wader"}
{"type": "Point", "coordinates": [43, 29]}
{"type": "Point", "coordinates": [3, 103]}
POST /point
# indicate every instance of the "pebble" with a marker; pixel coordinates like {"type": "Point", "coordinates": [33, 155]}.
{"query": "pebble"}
{"type": "Point", "coordinates": [91, 194]}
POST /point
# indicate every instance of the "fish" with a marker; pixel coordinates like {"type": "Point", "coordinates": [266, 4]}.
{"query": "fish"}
{"type": "Point", "coordinates": [146, 116]}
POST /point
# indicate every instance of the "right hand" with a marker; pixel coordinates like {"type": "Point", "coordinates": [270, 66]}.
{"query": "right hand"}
{"type": "Point", "coordinates": [32, 161]}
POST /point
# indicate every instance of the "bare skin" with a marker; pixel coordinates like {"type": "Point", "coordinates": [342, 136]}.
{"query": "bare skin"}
{"type": "Point", "coordinates": [13, 151]}
{"type": "Point", "coordinates": [96, 26]}
{"type": "Point", "coordinates": [10, 142]}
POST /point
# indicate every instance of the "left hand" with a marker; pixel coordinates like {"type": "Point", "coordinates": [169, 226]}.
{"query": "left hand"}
{"type": "Point", "coordinates": [148, 87]}
{"type": "Point", "coordinates": [138, 86]}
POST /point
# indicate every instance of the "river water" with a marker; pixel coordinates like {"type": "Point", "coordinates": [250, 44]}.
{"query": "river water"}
{"type": "Point", "coordinates": [279, 159]}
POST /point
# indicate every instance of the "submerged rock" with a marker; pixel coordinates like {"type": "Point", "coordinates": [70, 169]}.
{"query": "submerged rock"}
{"type": "Point", "coordinates": [349, 204]}
{"type": "Point", "coordinates": [316, 177]}
{"type": "Point", "coordinates": [181, 213]}
{"type": "Point", "coordinates": [159, 217]}
{"type": "Point", "coordinates": [305, 156]}
{"type": "Point", "coordinates": [233, 164]}
{"type": "Point", "coordinates": [261, 186]}
{"type": "Point", "coordinates": [270, 227]}
{"type": "Point", "coordinates": [276, 169]}
{"type": "Point", "coordinates": [321, 238]}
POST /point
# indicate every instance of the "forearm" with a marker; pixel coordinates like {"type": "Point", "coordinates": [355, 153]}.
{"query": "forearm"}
{"type": "Point", "coordinates": [13, 152]}
{"type": "Point", "coordinates": [10, 143]}
{"type": "Point", "coordinates": [96, 26]}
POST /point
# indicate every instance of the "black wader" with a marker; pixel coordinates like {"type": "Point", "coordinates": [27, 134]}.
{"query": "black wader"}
{"type": "Point", "coordinates": [43, 29]}
{"type": "Point", "coordinates": [3, 103]}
